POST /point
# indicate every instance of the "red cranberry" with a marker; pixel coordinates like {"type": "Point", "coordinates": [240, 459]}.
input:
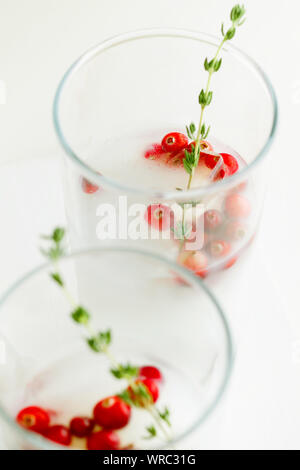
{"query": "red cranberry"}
{"type": "Point", "coordinates": [230, 162]}
{"type": "Point", "coordinates": [59, 434]}
{"type": "Point", "coordinates": [212, 219]}
{"type": "Point", "coordinates": [230, 262]}
{"type": "Point", "coordinates": [88, 187]}
{"type": "Point", "coordinates": [196, 262]}
{"type": "Point", "coordinates": [152, 389]}
{"type": "Point", "coordinates": [159, 216]}
{"type": "Point", "coordinates": [205, 145]}
{"type": "Point", "coordinates": [237, 206]}
{"type": "Point", "coordinates": [103, 440]}
{"type": "Point", "coordinates": [174, 141]}
{"type": "Point", "coordinates": [34, 418]}
{"type": "Point", "coordinates": [112, 413]}
{"type": "Point", "coordinates": [81, 426]}
{"type": "Point", "coordinates": [150, 372]}
{"type": "Point", "coordinates": [176, 158]}
{"type": "Point", "coordinates": [219, 248]}
{"type": "Point", "coordinates": [222, 173]}
{"type": "Point", "coordinates": [211, 160]}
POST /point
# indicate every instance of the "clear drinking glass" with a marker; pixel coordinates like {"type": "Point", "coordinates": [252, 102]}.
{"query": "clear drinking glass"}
{"type": "Point", "coordinates": [45, 360]}
{"type": "Point", "coordinates": [126, 94]}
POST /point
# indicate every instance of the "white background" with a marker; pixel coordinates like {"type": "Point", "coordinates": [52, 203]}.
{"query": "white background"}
{"type": "Point", "coordinates": [39, 39]}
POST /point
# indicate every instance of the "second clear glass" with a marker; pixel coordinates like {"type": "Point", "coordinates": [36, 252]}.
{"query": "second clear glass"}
{"type": "Point", "coordinates": [45, 360]}
{"type": "Point", "coordinates": [126, 94]}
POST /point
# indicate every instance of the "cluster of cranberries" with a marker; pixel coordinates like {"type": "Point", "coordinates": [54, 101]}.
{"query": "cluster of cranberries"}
{"type": "Point", "coordinates": [172, 149]}
{"type": "Point", "coordinates": [222, 228]}
{"type": "Point", "coordinates": [219, 237]}
{"type": "Point", "coordinates": [110, 414]}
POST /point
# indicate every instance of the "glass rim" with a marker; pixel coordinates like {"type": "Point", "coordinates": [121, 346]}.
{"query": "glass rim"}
{"type": "Point", "coordinates": [44, 443]}
{"type": "Point", "coordinates": [114, 41]}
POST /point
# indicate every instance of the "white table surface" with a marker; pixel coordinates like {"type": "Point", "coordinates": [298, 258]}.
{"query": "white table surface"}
{"type": "Point", "coordinates": [38, 40]}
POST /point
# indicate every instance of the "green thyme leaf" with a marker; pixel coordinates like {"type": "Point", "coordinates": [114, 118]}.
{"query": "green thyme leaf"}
{"type": "Point", "coordinates": [202, 98]}
{"type": "Point", "coordinates": [100, 342]}
{"type": "Point", "coordinates": [58, 234]}
{"type": "Point", "coordinates": [204, 136]}
{"type": "Point", "coordinates": [192, 127]}
{"type": "Point", "coordinates": [217, 64]}
{"type": "Point", "coordinates": [222, 30]}
{"type": "Point", "coordinates": [94, 344]}
{"type": "Point", "coordinates": [237, 13]}
{"type": "Point", "coordinates": [187, 167]}
{"type": "Point", "coordinates": [189, 160]}
{"type": "Point", "coordinates": [53, 253]}
{"type": "Point", "coordinates": [165, 416]}
{"type": "Point", "coordinates": [126, 371]}
{"type": "Point", "coordinates": [57, 278]}
{"type": "Point", "coordinates": [151, 432]}
{"type": "Point", "coordinates": [80, 315]}
{"type": "Point", "coordinates": [190, 130]}
{"type": "Point", "coordinates": [56, 250]}
{"type": "Point", "coordinates": [230, 33]}
{"type": "Point", "coordinates": [209, 97]}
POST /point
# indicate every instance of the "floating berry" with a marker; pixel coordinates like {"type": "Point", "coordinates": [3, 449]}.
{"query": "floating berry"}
{"type": "Point", "coordinates": [88, 187]}
{"type": "Point", "coordinates": [150, 372]}
{"type": "Point", "coordinates": [237, 206]}
{"type": "Point", "coordinates": [152, 388]}
{"type": "Point", "coordinates": [212, 219]}
{"type": "Point", "coordinates": [137, 395]}
{"type": "Point", "coordinates": [34, 418]}
{"type": "Point", "coordinates": [159, 216]}
{"type": "Point", "coordinates": [60, 434]}
{"type": "Point", "coordinates": [230, 162]}
{"type": "Point", "coordinates": [174, 141]}
{"type": "Point", "coordinates": [103, 440]}
{"type": "Point", "coordinates": [235, 230]}
{"type": "Point", "coordinates": [204, 145]}
{"type": "Point", "coordinates": [81, 426]}
{"type": "Point", "coordinates": [112, 413]}
{"type": "Point", "coordinates": [176, 158]}
{"type": "Point", "coordinates": [222, 173]}
{"type": "Point", "coordinates": [211, 159]}
{"type": "Point", "coordinates": [219, 248]}
{"type": "Point", "coordinates": [154, 152]}
{"type": "Point", "coordinates": [231, 262]}
{"type": "Point", "coordinates": [194, 261]}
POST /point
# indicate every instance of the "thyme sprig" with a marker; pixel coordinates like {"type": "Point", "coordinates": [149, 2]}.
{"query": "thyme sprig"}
{"type": "Point", "coordinates": [191, 159]}
{"type": "Point", "coordinates": [99, 342]}
{"type": "Point", "coordinates": [126, 371]}
{"type": "Point", "coordinates": [151, 432]}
